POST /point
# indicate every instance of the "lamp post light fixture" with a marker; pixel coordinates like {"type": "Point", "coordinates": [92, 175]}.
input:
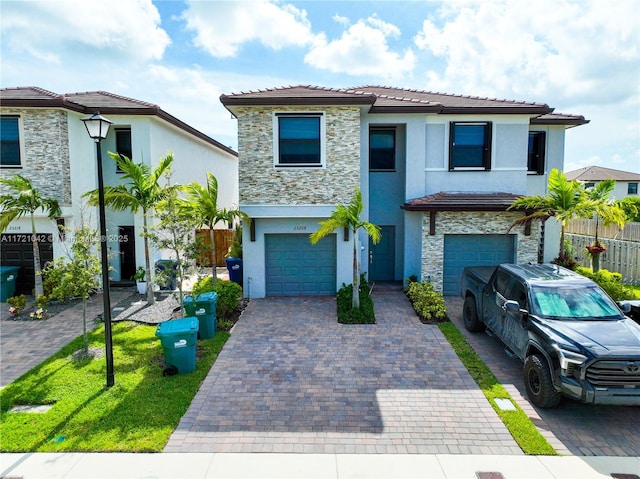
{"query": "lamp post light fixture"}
{"type": "Point", "coordinates": [97, 128]}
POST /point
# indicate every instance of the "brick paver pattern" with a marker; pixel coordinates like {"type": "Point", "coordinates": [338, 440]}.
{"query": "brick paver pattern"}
{"type": "Point", "coordinates": [292, 379]}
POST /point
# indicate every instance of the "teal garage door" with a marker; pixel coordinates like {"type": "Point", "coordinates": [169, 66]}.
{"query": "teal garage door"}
{"type": "Point", "coordinates": [474, 250]}
{"type": "Point", "coordinates": [296, 267]}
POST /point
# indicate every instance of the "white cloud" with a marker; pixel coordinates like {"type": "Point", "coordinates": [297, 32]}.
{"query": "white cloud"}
{"type": "Point", "coordinates": [363, 49]}
{"type": "Point", "coordinates": [222, 27]}
{"type": "Point", "coordinates": [56, 32]}
{"type": "Point", "coordinates": [577, 51]}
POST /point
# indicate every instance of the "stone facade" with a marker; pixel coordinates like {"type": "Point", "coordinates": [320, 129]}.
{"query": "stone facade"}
{"type": "Point", "coordinates": [261, 183]}
{"type": "Point", "coordinates": [471, 222]}
{"type": "Point", "coordinates": [45, 143]}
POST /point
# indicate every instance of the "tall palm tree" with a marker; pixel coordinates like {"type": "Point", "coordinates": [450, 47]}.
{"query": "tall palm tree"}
{"type": "Point", "coordinates": [348, 216]}
{"type": "Point", "coordinates": [142, 191]}
{"type": "Point", "coordinates": [564, 201]}
{"type": "Point", "coordinates": [202, 204]}
{"type": "Point", "coordinates": [24, 200]}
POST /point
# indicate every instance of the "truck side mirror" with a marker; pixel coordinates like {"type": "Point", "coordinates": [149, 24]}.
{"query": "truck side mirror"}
{"type": "Point", "coordinates": [625, 307]}
{"type": "Point", "coordinates": [513, 307]}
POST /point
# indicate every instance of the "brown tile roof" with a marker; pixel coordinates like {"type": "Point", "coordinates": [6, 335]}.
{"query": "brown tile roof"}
{"type": "Point", "coordinates": [384, 100]}
{"type": "Point", "coordinates": [598, 173]}
{"type": "Point", "coordinates": [559, 119]}
{"type": "Point", "coordinates": [89, 102]}
{"type": "Point", "coordinates": [462, 202]}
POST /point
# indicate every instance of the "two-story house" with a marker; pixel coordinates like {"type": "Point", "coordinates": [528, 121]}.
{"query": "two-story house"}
{"type": "Point", "coordinates": [44, 139]}
{"type": "Point", "coordinates": [437, 173]}
{"type": "Point", "coordinates": [626, 182]}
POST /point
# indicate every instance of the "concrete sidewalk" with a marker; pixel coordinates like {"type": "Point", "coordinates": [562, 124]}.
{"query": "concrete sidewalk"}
{"type": "Point", "coordinates": [302, 466]}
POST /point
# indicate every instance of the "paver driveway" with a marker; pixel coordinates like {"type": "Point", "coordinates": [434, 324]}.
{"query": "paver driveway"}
{"type": "Point", "coordinates": [291, 379]}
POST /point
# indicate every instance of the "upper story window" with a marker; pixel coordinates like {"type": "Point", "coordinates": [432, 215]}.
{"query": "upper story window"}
{"type": "Point", "coordinates": [299, 140]}
{"type": "Point", "coordinates": [632, 189]}
{"type": "Point", "coordinates": [537, 143]}
{"type": "Point", "coordinates": [589, 185]}
{"type": "Point", "coordinates": [382, 149]}
{"type": "Point", "coordinates": [123, 144]}
{"type": "Point", "coordinates": [470, 145]}
{"type": "Point", "coordinates": [10, 156]}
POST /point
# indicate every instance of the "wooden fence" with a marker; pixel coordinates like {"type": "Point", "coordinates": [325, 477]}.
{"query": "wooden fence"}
{"type": "Point", "coordinates": [223, 240]}
{"type": "Point", "coordinates": [622, 256]}
{"type": "Point", "coordinates": [631, 231]}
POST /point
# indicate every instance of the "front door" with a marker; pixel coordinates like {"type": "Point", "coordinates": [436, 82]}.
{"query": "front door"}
{"type": "Point", "coordinates": [382, 255]}
{"type": "Point", "coordinates": [127, 242]}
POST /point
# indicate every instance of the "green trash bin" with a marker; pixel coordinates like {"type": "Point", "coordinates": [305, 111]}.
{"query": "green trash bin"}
{"type": "Point", "coordinates": [178, 338]}
{"type": "Point", "coordinates": [8, 275]}
{"type": "Point", "coordinates": [203, 307]}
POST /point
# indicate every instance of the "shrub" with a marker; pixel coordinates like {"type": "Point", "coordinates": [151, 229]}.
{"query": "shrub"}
{"type": "Point", "coordinates": [229, 294]}
{"type": "Point", "coordinates": [610, 281]}
{"type": "Point", "coordinates": [18, 303]}
{"type": "Point", "coordinates": [348, 315]}
{"type": "Point", "coordinates": [428, 304]}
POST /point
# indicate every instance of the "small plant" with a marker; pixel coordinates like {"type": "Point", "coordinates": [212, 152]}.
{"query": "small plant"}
{"type": "Point", "coordinates": [428, 303]}
{"type": "Point", "coordinates": [38, 314]}
{"type": "Point", "coordinates": [347, 314]}
{"type": "Point", "coordinates": [18, 303]}
{"type": "Point", "coordinates": [42, 301]}
{"type": "Point", "coordinates": [140, 274]}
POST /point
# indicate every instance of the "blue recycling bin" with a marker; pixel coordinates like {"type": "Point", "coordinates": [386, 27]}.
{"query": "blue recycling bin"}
{"type": "Point", "coordinates": [203, 307]}
{"type": "Point", "coordinates": [234, 266]}
{"type": "Point", "coordinates": [178, 338]}
{"type": "Point", "coordinates": [167, 269]}
{"type": "Point", "coordinates": [8, 276]}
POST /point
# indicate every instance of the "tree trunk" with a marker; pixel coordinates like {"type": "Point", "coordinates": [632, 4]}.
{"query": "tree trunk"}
{"type": "Point", "coordinates": [37, 267]}
{"type": "Point", "coordinates": [355, 298]}
{"type": "Point", "coordinates": [150, 296]}
{"type": "Point", "coordinates": [84, 326]}
{"type": "Point", "coordinates": [595, 263]}
{"type": "Point", "coordinates": [212, 237]}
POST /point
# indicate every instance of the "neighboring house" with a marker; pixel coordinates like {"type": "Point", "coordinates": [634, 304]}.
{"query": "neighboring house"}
{"type": "Point", "coordinates": [626, 182]}
{"type": "Point", "coordinates": [44, 139]}
{"type": "Point", "coordinates": [437, 173]}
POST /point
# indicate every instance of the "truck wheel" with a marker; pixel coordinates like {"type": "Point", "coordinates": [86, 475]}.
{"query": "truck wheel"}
{"type": "Point", "coordinates": [470, 316]}
{"type": "Point", "coordinates": [538, 382]}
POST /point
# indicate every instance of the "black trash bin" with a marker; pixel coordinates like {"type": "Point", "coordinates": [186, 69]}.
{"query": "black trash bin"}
{"type": "Point", "coordinates": [166, 269]}
{"type": "Point", "coordinates": [234, 266]}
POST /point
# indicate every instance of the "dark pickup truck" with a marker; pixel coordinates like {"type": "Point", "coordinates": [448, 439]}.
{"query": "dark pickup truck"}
{"type": "Point", "coordinates": [573, 338]}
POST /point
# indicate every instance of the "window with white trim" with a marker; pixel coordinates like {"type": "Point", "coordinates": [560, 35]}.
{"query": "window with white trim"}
{"type": "Point", "coordinates": [470, 145]}
{"type": "Point", "coordinates": [10, 149]}
{"type": "Point", "coordinates": [632, 189]}
{"type": "Point", "coordinates": [298, 140]}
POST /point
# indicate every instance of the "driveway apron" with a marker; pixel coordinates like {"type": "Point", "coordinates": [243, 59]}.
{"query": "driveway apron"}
{"type": "Point", "coordinates": [292, 379]}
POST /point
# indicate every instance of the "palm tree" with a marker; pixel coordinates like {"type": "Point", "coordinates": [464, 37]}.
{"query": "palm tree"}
{"type": "Point", "coordinates": [607, 209]}
{"type": "Point", "coordinates": [202, 204]}
{"type": "Point", "coordinates": [348, 216]}
{"type": "Point", "coordinates": [564, 201]}
{"type": "Point", "coordinates": [23, 200]}
{"type": "Point", "coordinates": [142, 191]}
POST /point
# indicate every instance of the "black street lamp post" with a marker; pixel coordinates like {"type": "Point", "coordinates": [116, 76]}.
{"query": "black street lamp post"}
{"type": "Point", "coordinates": [98, 127]}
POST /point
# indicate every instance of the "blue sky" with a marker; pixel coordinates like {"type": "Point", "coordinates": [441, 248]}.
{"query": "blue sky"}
{"type": "Point", "coordinates": [578, 56]}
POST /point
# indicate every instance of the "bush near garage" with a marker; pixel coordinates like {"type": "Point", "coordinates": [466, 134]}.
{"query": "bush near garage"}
{"type": "Point", "coordinates": [428, 304]}
{"type": "Point", "coordinates": [229, 295]}
{"type": "Point", "coordinates": [610, 281]}
{"type": "Point", "coordinates": [348, 315]}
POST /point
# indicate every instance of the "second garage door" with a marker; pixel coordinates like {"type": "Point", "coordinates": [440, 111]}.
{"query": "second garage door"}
{"type": "Point", "coordinates": [473, 250]}
{"type": "Point", "coordinates": [296, 267]}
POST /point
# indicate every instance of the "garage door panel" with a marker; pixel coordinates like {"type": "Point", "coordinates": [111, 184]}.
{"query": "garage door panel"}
{"type": "Point", "coordinates": [296, 267]}
{"type": "Point", "coordinates": [473, 250]}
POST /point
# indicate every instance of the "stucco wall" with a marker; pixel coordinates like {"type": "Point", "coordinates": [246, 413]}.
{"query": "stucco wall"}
{"type": "Point", "coordinates": [449, 222]}
{"type": "Point", "coordinates": [45, 144]}
{"type": "Point", "coordinates": [261, 183]}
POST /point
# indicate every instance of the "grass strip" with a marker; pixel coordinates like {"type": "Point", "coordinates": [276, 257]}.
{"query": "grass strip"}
{"type": "Point", "coordinates": [137, 414]}
{"type": "Point", "coordinates": [517, 422]}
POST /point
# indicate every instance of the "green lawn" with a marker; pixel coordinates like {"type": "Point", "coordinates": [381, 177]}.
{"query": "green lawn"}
{"type": "Point", "coordinates": [517, 422]}
{"type": "Point", "coordinates": [137, 414]}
